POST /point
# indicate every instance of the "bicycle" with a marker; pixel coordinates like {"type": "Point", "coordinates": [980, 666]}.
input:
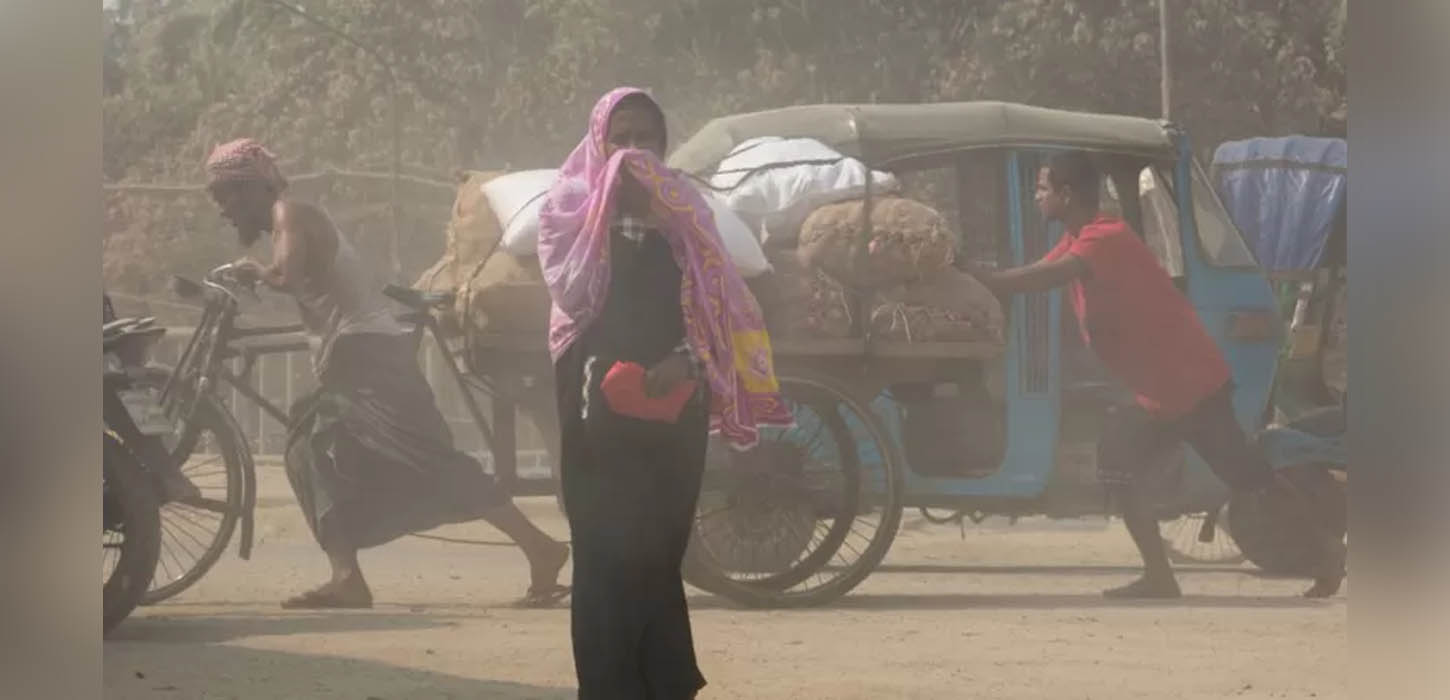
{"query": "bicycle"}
{"type": "Point", "coordinates": [207, 445]}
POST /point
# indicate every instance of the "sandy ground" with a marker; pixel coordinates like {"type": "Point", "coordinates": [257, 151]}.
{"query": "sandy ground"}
{"type": "Point", "coordinates": [999, 612]}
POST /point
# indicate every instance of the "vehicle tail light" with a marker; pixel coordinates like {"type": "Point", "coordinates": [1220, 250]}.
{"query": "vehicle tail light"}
{"type": "Point", "coordinates": [1254, 326]}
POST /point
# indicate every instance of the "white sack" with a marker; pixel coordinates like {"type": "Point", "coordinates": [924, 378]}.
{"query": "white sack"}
{"type": "Point", "coordinates": [516, 198]}
{"type": "Point", "coordinates": [776, 200]}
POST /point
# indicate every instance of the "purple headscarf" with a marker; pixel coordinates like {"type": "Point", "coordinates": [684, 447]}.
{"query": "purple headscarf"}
{"type": "Point", "coordinates": [723, 323]}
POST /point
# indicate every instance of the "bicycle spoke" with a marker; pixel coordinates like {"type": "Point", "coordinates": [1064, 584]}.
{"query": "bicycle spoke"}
{"type": "Point", "coordinates": [171, 526]}
{"type": "Point", "coordinates": [205, 463]}
{"type": "Point", "coordinates": [205, 505]}
{"type": "Point", "coordinates": [178, 526]}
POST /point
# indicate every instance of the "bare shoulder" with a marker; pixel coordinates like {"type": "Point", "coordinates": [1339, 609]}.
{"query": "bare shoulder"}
{"type": "Point", "coordinates": [298, 213]}
{"type": "Point", "coordinates": [305, 219]}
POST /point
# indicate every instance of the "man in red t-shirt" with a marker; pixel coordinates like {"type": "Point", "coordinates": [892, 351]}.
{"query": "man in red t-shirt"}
{"type": "Point", "coordinates": [1148, 335]}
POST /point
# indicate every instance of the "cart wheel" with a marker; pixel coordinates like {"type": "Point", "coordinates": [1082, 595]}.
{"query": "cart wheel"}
{"type": "Point", "coordinates": [805, 516]}
{"type": "Point", "coordinates": [1184, 539]}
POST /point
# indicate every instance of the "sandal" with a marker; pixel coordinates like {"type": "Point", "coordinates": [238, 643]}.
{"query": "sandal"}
{"type": "Point", "coordinates": [544, 596]}
{"type": "Point", "coordinates": [328, 597]}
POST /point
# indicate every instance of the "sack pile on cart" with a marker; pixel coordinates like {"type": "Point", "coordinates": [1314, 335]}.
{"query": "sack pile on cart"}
{"type": "Point", "coordinates": [490, 258]}
{"type": "Point", "coordinates": [809, 208]}
{"type": "Point", "coordinates": [497, 292]}
{"type": "Point", "coordinates": [902, 267]}
{"type": "Point", "coordinates": [802, 199]}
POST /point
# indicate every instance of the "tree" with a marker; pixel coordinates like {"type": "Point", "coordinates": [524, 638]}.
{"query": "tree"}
{"type": "Point", "coordinates": [508, 83]}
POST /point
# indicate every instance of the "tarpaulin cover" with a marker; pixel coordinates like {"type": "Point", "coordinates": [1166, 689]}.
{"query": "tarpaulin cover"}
{"type": "Point", "coordinates": [1285, 195]}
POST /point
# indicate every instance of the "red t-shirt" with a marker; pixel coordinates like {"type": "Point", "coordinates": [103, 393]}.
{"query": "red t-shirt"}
{"type": "Point", "coordinates": [1137, 322]}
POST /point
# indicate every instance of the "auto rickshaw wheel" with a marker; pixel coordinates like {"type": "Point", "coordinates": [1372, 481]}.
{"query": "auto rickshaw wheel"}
{"type": "Point", "coordinates": [805, 516]}
{"type": "Point", "coordinates": [1271, 540]}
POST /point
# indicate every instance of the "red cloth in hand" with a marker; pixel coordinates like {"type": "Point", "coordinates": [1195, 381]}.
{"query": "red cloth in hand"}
{"type": "Point", "coordinates": [623, 389]}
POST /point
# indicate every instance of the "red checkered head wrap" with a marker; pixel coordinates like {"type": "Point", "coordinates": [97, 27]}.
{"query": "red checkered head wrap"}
{"type": "Point", "coordinates": [244, 160]}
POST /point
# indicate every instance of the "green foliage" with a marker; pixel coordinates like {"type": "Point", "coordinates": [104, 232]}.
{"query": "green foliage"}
{"type": "Point", "coordinates": [508, 83]}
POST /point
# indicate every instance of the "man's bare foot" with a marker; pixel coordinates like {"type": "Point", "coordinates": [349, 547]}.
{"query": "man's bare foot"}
{"type": "Point", "coordinates": [1154, 587]}
{"type": "Point", "coordinates": [334, 595]}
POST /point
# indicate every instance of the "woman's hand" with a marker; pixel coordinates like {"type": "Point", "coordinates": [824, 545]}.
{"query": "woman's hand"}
{"type": "Point", "coordinates": [631, 197]}
{"type": "Point", "coordinates": [665, 376]}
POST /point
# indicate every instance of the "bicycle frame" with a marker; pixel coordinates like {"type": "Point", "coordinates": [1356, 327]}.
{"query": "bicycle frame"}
{"type": "Point", "coordinates": [201, 366]}
{"type": "Point", "coordinates": [201, 363]}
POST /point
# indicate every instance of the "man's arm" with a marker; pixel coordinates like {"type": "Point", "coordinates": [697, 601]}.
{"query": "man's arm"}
{"type": "Point", "coordinates": [1037, 277]}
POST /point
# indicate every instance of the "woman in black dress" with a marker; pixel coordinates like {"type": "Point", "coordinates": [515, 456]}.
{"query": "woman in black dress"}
{"type": "Point", "coordinates": [630, 485]}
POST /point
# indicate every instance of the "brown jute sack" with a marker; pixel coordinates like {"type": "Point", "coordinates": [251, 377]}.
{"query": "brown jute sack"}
{"type": "Point", "coordinates": [472, 234]}
{"type": "Point", "coordinates": [506, 296]}
{"type": "Point", "coordinates": [954, 297]}
{"type": "Point", "coordinates": [908, 241]}
{"type": "Point", "coordinates": [803, 303]}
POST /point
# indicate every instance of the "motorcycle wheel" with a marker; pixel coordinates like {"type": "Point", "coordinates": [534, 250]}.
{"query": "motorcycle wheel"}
{"type": "Point", "coordinates": [130, 534]}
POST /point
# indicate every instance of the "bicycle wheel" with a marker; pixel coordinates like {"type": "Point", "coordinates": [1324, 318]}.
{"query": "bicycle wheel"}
{"type": "Point", "coordinates": [801, 519]}
{"type": "Point", "coordinates": [212, 454]}
{"type": "Point", "coordinates": [130, 533]}
{"type": "Point", "coordinates": [1182, 538]}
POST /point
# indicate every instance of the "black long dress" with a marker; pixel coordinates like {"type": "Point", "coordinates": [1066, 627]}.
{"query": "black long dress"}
{"type": "Point", "coordinates": [630, 489]}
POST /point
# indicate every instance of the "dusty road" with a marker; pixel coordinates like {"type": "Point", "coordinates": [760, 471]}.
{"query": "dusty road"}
{"type": "Point", "coordinates": [1003, 613]}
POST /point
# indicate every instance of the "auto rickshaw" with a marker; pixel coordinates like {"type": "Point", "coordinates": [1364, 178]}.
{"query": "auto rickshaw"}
{"type": "Point", "coordinates": [972, 429]}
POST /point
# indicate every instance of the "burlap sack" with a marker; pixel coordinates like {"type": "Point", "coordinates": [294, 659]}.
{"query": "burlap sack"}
{"type": "Point", "coordinates": [911, 323]}
{"type": "Point", "coordinates": [472, 234]}
{"type": "Point", "coordinates": [507, 296]}
{"type": "Point", "coordinates": [954, 298]}
{"type": "Point", "coordinates": [802, 303]}
{"type": "Point", "coordinates": [909, 240]}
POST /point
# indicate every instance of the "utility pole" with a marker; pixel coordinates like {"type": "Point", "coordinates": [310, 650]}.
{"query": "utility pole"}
{"type": "Point", "coordinates": [1165, 57]}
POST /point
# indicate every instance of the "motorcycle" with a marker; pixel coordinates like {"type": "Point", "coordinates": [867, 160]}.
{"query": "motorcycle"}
{"type": "Point", "coordinates": [1311, 451]}
{"type": "Point", "coordinates": [130, 506]}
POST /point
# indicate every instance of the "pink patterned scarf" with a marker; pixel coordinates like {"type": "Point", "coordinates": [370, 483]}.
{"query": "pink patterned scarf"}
{"type": "Point", "coordinates": [723, 322]}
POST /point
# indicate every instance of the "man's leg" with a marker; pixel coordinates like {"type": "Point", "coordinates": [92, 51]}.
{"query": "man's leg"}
{"type": "Point", "coordinates": [1129, 442]}
{"type": "Point", "coordinates": [545, 554]}
{"type": "Point", "coordinates": [346, 588]}
{"type": "Point", "coordinates": [1157, 580]}
{"type": "Point", "coordinates": [1214, 432]}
